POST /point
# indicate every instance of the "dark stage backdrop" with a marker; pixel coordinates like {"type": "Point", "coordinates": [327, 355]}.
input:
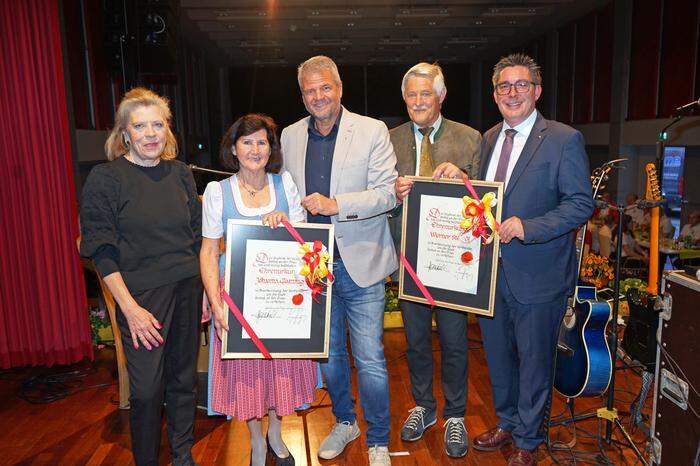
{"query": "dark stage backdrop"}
{"type": "Point", "coordinates": [376, 92]}
{"type": "Point", "coordinates": [43, 309]}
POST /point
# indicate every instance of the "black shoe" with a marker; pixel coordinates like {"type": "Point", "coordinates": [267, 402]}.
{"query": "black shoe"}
{"type": "Point", "coordinates": [287, 461]}
{"type": "Point", "coordinates": [456, 438]}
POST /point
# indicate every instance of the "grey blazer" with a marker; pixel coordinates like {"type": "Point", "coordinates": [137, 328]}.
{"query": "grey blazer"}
{"type": "Point", "coordinates": [453, 142]}
{"type": "Point", "coordinates": [362, 182]}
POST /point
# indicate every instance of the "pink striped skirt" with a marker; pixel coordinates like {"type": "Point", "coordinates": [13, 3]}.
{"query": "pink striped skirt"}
{"type": "Point", "coordinates": [247, 388]}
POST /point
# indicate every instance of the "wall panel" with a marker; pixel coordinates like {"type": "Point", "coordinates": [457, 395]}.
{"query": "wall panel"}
{"type": "Point", "coordinates": [585, 77]}
{"type": "Point", "coordinates": [565, 75]}
{"type": "Point", "coordinates": [644, 62]}
{"type": "Point", "coordinates": [679, 53]}
{"type": "Point", "coordinates": [605, 36]}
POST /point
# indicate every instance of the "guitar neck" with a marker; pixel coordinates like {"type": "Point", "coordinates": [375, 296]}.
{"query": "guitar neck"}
{"type": "Point", "coordinates": [653, 286]}
{"type": "Point", "coordinates": [580, 244]}
{"type": "Point", "coordinates": [653, 193]}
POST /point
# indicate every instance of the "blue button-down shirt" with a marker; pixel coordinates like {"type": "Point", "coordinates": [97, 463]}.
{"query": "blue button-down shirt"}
{"type": "Point", "coordinates": [319, 162]}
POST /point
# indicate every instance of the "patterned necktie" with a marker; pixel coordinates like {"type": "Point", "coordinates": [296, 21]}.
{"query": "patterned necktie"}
{"type": "Point", "coordinates": [502, 168]}
{"type": "Point", "coordinates": [426, 167]}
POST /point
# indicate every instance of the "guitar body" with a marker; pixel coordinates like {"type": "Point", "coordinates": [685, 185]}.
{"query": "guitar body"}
{"type": "Point", "coordinates": [584, 362]}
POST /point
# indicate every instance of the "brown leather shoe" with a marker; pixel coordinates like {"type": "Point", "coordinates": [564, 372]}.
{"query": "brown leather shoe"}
{"type": "Point", "coordinates": [492, 440]}
{"type": "Point", "coordinates": [522, 457]}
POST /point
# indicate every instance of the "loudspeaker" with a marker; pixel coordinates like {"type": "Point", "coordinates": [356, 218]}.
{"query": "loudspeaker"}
{"type": "Point", "coordinates": [639, 341]}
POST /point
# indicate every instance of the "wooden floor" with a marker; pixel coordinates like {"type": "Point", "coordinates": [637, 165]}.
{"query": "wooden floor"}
{"type": "Point", "coordinates": [87, 428]}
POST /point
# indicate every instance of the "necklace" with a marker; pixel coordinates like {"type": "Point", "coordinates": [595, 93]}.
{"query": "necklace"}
{"type": "Point", "coordinates": [248, 189]}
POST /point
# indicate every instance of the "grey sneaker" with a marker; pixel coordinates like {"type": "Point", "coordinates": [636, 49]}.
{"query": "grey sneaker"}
{"type": "Point", "coordinates": [416, 423]}
{"type": "Point", "coordinates": [456, 438]}
{"type": "Point", "coordinates": [342, 434]}
{"type": "Point", "coordinates": [379, 456]}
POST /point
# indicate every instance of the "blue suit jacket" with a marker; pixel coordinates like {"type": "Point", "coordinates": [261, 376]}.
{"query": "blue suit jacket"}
{"type": "Point", "coordinates": [550, 191]}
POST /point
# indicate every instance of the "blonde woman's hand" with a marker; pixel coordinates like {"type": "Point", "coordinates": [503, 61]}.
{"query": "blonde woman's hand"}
{"type": "Point", "coordinates": [273, 219]}
{"type": "Point", "coordinates": [143, 327]}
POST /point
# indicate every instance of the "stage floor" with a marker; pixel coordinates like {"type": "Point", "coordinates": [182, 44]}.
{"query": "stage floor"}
{"type": "Point", "coordinates": [87, 428]}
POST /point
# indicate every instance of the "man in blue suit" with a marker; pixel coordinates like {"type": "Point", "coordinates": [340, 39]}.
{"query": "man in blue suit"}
{"type": "Point", "coordinates": [547, 195]}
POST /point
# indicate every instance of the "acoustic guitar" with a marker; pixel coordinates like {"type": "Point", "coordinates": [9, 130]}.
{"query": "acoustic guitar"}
{"type": "Point", "coordinates": [583, 360]}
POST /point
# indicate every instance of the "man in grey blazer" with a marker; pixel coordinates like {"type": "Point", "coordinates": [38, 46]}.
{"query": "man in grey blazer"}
{"type": "Point", "coordinates": [547, 196]}
{"type": "Point", "coordinates": [345, 169]}
{"type": "Point", "coordinates": [432, 145]}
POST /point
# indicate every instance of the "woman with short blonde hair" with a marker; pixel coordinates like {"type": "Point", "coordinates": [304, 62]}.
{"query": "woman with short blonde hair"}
{"type": "Point", "coordinates": [116, 146]}
{"type": "Point", "coordinates": [141, 225]}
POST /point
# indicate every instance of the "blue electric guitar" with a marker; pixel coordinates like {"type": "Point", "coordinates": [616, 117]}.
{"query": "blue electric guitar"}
{"type": "Point", "coordinates": [584, 364]}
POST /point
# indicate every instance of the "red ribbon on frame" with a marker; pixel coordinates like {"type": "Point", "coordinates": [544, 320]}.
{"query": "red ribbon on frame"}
{"type": "Point", "coordinates": [409, 268]}
{"type": "Point", "coordinates": [312, 259]}
{"type": "Point", "coordinates": [418, 282]}
{"type": "Point", "coordinates": [481, 213]}
{"type": "Point", "coordinates": [246, 326]}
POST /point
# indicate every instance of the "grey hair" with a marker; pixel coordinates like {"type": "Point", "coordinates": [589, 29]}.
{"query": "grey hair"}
{"type": "Point", "coordinates": [517, 59]}
{"type": "Point", "coordinates": [426, 70]}
{"type": "Point", "coordinates": [317, 64]}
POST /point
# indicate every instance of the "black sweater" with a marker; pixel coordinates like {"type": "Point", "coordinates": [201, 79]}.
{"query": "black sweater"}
{"type": "Point", "coordinates": [145, 222]}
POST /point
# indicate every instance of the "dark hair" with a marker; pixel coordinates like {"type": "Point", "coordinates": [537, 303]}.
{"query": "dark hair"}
{"type": "Point", "coordinates": [245, 126]}
{"type": "Point", "coordinates": [517, 59]}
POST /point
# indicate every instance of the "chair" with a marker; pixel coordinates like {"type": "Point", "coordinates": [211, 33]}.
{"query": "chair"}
{"type": "Point", "coordinates": [122, 374]}
{"type": "Point", "coordinates": [110, 304]}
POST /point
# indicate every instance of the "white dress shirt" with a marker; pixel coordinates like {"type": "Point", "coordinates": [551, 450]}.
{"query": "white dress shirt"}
{"type": "Point", "coordinates": [419, 139]}
{"type": "Point", "coordinates": [519, 140]}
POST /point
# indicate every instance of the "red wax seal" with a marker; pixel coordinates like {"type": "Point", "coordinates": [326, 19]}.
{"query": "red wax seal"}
{"type": "Point", "coordinates": [297, 299]}
{"type": "Point", "coordinates": [467, 257]}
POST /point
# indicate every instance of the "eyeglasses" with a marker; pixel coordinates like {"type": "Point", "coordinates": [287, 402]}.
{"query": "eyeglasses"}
{"type": "Point", "coordinates": [522, 86]}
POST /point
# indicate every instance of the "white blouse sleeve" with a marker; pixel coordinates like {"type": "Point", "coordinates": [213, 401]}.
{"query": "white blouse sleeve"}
{"type": "Point", "coordinates": [296, 211]}
{"type": "Point", "coordinates": [212, 211]}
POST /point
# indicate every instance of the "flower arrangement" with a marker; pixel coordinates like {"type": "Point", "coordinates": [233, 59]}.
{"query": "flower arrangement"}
{"type": "Point", "coordinates": [391, 303]}
{"type": "Point", "coordinates": [596, 270]}
{"type": "Point", "coordinates": [100, 326]}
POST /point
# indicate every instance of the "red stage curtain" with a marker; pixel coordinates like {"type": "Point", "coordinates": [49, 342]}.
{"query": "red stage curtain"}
{"type": "Point", "coordinates": [43, 309]}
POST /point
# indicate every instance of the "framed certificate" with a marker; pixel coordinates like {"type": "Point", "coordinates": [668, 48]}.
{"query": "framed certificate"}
{"type": "Point", "coordinates": [458, 269]}
{"type": "Point", "coordinates": [263, 278]}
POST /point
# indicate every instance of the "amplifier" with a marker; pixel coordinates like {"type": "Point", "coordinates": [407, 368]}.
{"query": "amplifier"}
{"type": "Point", "coordinates": [675, 438]}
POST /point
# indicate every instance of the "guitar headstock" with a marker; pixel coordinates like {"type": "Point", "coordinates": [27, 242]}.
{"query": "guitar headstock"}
{"type": "Point", "coordinates": [653, 191]}
{"type": "Point", "coordinates": [599, 177]}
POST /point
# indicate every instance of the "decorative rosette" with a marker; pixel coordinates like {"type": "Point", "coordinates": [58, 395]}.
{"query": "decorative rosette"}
{"type": "Point", "coordinates": [315, 268]}
{"type": "Point", "coordinates": [478, 218]}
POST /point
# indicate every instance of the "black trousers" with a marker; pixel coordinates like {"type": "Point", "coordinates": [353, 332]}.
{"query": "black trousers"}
{"type": "Point", "coordinates": [452, 331]}
{"type": "Point", "coordinates": [167, 373]}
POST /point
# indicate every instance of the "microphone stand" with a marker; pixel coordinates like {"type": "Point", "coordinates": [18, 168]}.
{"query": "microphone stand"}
{"type": "Point", "coordinates": [195, 168]}
{"type": "Point", "coordinates": [663, 137]}
{"type": "Point", "coordinates": [609, 413]}
{"type": "Point", "coordinates": [661, 144]}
